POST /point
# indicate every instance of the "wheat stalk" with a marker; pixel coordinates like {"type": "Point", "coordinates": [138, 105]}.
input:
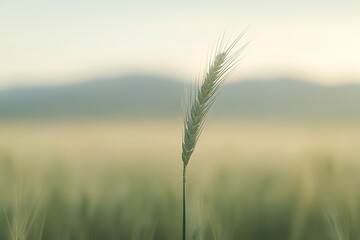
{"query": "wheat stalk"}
{"type": "Point", "coordinates": [200, 100]}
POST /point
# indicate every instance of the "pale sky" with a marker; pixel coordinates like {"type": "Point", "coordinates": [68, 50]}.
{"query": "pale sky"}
{"type": "Point", "coordinates": [44, 41]}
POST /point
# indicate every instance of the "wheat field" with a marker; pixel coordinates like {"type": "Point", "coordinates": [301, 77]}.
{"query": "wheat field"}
{"type": "Point", "coordinates": [249, 179]}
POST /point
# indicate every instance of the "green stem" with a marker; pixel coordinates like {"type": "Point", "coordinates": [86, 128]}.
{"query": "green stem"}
{"type": "Point", "coordinates": [184, 205]}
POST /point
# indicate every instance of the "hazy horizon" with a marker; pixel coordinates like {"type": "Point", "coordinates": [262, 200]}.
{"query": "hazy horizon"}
{"type": "Point", "coordinates": [71, 81]}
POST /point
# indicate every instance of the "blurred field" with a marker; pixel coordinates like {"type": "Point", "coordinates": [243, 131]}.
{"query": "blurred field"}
{"type": "Point", "coordinates": [121, 180]}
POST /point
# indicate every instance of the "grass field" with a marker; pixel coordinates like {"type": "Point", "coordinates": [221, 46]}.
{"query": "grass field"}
{"type": "Point", "coordinates": [122, 180]}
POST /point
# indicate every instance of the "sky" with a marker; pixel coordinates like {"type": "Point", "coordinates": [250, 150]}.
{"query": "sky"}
{"type": "Point", "coordinates": [52, 42]}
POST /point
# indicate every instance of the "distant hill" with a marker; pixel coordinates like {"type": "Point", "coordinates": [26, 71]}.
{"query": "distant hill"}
{"type": "Point", "coordinates": [289, 98]}
{"type": "Point", "coordinates": [154, 96]}
{"type": "Point", "coordinates": [127, 96]}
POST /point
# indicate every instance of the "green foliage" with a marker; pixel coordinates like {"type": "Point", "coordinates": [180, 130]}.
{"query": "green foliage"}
{"type": "Point", "coordinates": [139, 199]}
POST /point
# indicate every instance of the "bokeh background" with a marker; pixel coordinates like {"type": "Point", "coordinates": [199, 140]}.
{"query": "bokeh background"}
{"type": "Point", "coordinates": [91, 120]}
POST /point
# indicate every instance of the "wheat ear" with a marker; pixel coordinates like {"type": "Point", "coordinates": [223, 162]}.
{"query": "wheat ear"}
{"type": "Point", "coordinates": [225, 60]}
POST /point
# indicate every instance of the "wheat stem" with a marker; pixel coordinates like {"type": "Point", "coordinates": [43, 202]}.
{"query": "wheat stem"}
{"type": "Point", "coordinates": [184, 204]}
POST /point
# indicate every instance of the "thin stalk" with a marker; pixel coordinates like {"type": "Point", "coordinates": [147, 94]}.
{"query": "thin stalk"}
{"type": "Point", "coordinates": [184, 204]}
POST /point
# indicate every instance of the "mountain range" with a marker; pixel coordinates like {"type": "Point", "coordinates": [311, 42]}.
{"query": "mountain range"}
{"type": "Point", "coordinates": [143, 96]}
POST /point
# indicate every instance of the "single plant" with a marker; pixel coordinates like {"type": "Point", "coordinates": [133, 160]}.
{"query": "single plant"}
{"type": "Point", "coordinates": [201, 97]}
